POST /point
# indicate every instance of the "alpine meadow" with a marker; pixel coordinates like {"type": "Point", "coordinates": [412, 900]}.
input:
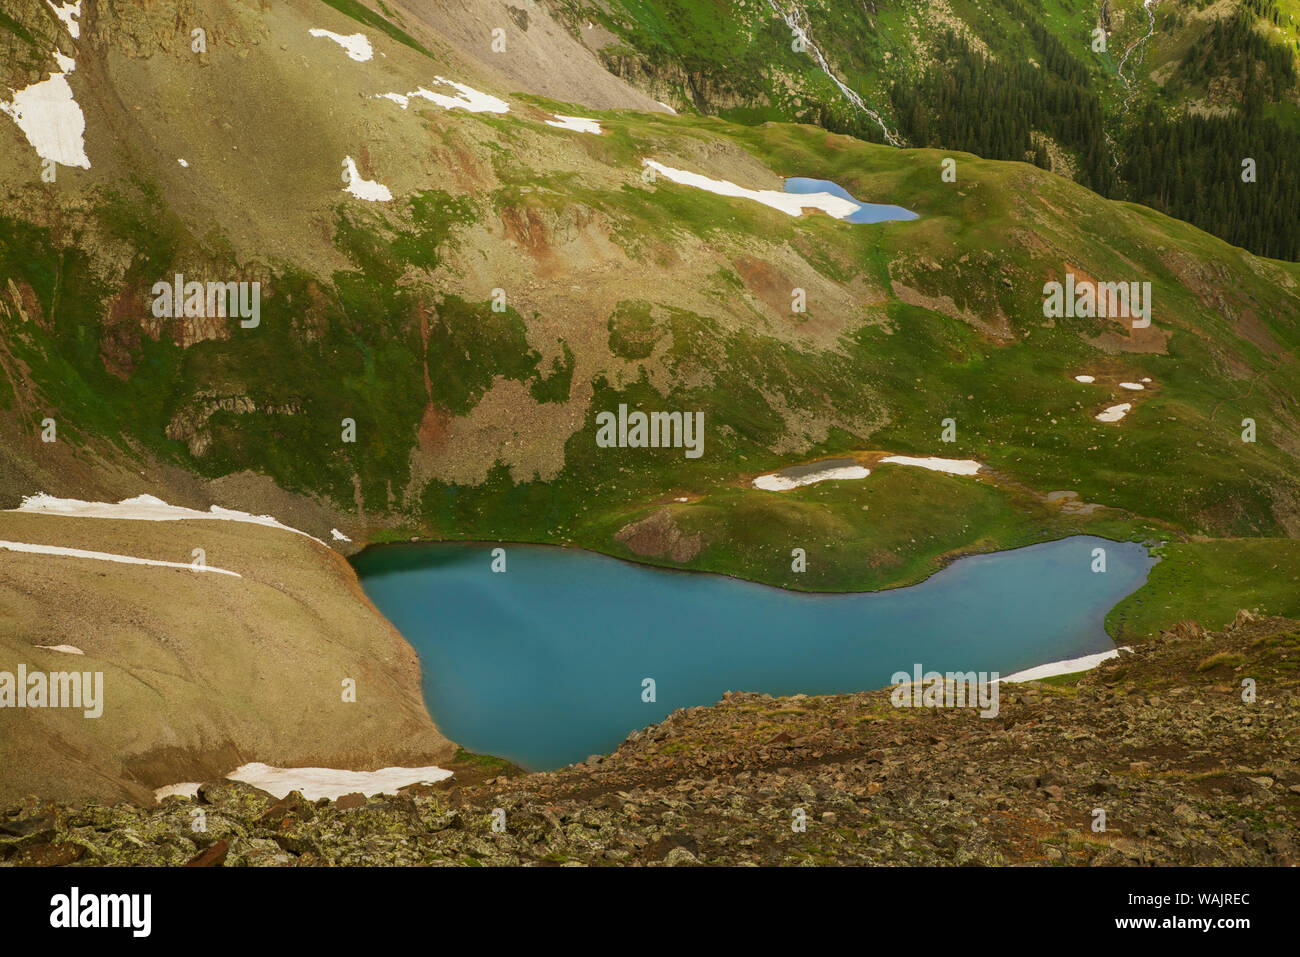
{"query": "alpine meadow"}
{"type": "Point", "coordinates": [641, 433]}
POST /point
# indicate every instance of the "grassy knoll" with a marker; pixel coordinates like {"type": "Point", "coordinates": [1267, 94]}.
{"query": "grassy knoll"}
{"type": "Point", "coordinates": [1208, 582]}
{"type": "Point", "coordinates": [896, 527]}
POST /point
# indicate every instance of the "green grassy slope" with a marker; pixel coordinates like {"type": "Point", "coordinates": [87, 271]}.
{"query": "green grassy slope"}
{"type": "Point", "coordinates": [1163, 115]}
{"type": "Point", "coordinates": [479, 424]}
{"type": "Point", "coordinates": [1208, 582]}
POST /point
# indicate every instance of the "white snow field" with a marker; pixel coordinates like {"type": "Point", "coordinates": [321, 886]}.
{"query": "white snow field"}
{"type": "Point", "coordinates": [781, 483]}
{"type": "Point", "coordinates": [579, 124]}
{"type": "Point", "coordinates": [792, 204]}
{"type": "Point", "coordinates": [366, 189]}
{"type": "Point", "coordinates": [357, 45]}
{"type": "Point", "coordinates": [1114, 413]}
{"type": "Point", "coordinates": [936, 464]}
{"type": "Point", "coordinates": [466, 98]}
{"type": "Point", "coordinates": [144, 508]}
{"type": "Point", "coordinates": [50, 117]}
{"type": "Point", "coordinates": [107, 557]}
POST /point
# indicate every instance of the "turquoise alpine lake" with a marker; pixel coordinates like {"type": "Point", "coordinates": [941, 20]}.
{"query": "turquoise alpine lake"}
{"type": "Point", "coordinates": [545, 663]}
{"type": "Point", "coordinates": [867, 212]}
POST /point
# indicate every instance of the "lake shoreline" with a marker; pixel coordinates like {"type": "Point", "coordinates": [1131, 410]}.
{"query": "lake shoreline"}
{"type": "Point", "coordinates": [943, 560]}
{"type": "Point", "coordinates": [533, 655]}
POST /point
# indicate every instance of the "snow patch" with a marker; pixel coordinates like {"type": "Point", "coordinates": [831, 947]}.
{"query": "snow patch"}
{"type": "Point", "coordinates": [63, 649]}
{"type": "Point", "coordinates": [579, 124]}
{"type": "Point", "coordinates": [50, 117]}
{"type": "Point", "coordinates": [792, 204]}
{"type": "Point", "coordinates": [316, 783]}
{"type": "Point", "coordinates": [69, 13]}
{"type": "Point", "coordinates": [183, 163]}
{"type": "Point", "coordinates": [1114, 413]}
{"type": "Point", "coordinates": [338, 536]}
{"type": "Point", "coordinates": [936, 464]}
{"type": "Point", "coordinates": [1067, 666]}
{"type": "Point", "coordinates": [1085, 379]}
{"type": "Point", "coordinates": [366, 189]}
{"type": "Point", "coordinates": [1132, 386]}
{"type": "Point", "coordinates": [107, 557]}
{"type": "Point", "coordinates": [144, 508]}
{"type": "Point", "coordinates": [189, 789]}
{"type": "Point", "coordinates": [467, 98]}
{"type": "Point", "coordinates": [780, 483]}
{"type": "Point", "coordinates": [357, 46]}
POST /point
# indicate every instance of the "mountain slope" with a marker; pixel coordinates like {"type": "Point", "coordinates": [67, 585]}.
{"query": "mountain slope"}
{"type": "Point", "coordinates": [476, 423]}
{"type": "Point", "coordinates": [518, 46]}
{"type": "Point", "coordinates": [1163, 115]}
{"type": "Point", "coordinates": [228, 669]}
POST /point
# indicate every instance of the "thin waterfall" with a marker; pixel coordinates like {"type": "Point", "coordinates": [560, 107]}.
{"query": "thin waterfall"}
{"type": "Point", "coordinates": [797, 20]}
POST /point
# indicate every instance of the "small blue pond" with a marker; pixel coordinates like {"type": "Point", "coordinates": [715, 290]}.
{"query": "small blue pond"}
{"type": "Point", "coordinates": [867, 212]}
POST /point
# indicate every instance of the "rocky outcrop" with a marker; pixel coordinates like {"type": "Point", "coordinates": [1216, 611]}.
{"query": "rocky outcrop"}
{"type": "Point", "coordinates": [670, 83]}
{"type": "Point", "coordinates": [1161, 741]}
{"type": "Point", "coordinates": [190, 424]}
{"type": "Point", "coordinates": [659, 536]}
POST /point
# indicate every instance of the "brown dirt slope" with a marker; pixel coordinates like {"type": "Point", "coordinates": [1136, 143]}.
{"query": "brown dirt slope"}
{"type": "Point", "coordinates": [222, 672]}
{"type": "Point", "coordinates": [539, 54]}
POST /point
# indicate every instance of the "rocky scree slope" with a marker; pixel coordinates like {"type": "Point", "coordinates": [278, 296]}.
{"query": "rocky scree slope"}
{"type": "Point", "coordinates": [1186, 771]}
